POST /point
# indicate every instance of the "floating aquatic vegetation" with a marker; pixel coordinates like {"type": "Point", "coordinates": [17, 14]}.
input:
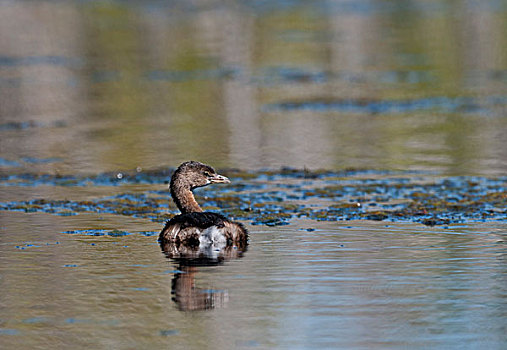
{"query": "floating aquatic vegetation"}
{"type": "Point", "coordinates": [163, 175]}
{"type": "Point", "coordinates": [103, 179]}
{"type": "Point", "coordinates": [273, 219]}
{"type": "Point", "coordinates": [99, 232]}
{"type": "Point", "coordinates": [441, 104]}
{"type": "Point", "coordinates": [276, 197]}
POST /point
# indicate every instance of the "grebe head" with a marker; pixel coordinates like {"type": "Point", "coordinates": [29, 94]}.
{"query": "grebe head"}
{"type": "Point", "coordinates": [195, 174]}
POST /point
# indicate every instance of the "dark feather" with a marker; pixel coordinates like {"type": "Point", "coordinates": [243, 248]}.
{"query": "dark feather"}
{"type": "Point", "coordinates": [201, 220]}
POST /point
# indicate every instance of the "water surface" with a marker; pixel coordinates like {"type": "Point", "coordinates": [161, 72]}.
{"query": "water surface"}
{"type": "Point", "coordinates": [93, 86]}
{"type": "Point", "coordinates": [365, 140]}
{"type": "Point", "coordinates": [325, 285]}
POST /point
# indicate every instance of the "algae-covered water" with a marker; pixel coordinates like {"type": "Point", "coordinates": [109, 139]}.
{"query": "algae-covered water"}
{"type": "Point", "coordinates": [366, 143]}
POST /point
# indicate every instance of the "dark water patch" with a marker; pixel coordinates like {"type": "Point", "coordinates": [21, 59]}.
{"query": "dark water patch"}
{"type": "Point", "coordinates": [110, 233]}
{"type": "Point", "coordinates": [11, 61]}
{"type": "Point", "coordinates": [406, 77]}
{"type": "Point", "coordinates": [299, 36]}
{"type": "Point", "coordinates": [261, 7]}
{"type": "Point", "coordinates": [8, 163]}
{"type": "Point", "coordinates": [353, 7]}
{"type": "Point", "coordinates": [169, 332]}
{"type": "Point", "coordinates": [73, 320]}
{"type": "Point", "coordinates": [367, 8]}
{"type": "Point", "coordinates": [11, 82]}
{"type": "Point", "coordinates": [105, 76]}
{"type": "Point", "coordinates": [87, 232]}
{"type": "Point", "coordinates": [118, 233]}
{"type": "Point", "coordinates": [149, 233]}
{"type": "Point", "coordinates": [30, 245]}
{"type": "Point", "coordinates": [9, 331]}
{"type": "Point", "coordinates": [36, 320]}
{"type": "Point", "coordinates": [274, 75]}
{"type": "Point", "coordinates": [248, 343]}
{"type": "Point", "coordinates": [368, 106]}
{"type": "Point", "coordinates": [403, 76]}
{"type": "Point", "coordinates": [33, 160]}
{"type": "Point", "coordinates": [66, 213]}
{"type": "Point", "coordinates": [287, 75]}
{"type": "Point", "coordinates": [13, 125]}
{"type": "Point", "coordinates": [20, 125]}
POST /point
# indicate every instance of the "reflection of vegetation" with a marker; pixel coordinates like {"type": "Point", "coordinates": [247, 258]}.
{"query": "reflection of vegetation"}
{"type": "Point", "coordinates": [121, 91]}
{"type": "Point", "coordinates": [115, 64]}
{"type": "Point", "coordinates": [287, 38]}
{"type": "Point", "coordinates": [156, 95]}
{"type": "Point", "coordinates": [114, 45]}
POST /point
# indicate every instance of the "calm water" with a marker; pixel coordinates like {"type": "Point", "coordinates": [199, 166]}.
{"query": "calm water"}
{"type": "Point", "coordinates": [359, 285]}
{"type": "Point", "coordinates": [88, 86]}
{"type": "Point", "coordinates": [99, 98]}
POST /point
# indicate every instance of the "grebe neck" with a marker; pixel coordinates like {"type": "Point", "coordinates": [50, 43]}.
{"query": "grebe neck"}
{"type": "Point", "coordinates": [185, 201]}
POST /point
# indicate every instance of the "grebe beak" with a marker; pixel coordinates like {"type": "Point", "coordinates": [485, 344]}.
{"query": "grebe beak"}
{"type": "Point", "coordinates": [219, 179]}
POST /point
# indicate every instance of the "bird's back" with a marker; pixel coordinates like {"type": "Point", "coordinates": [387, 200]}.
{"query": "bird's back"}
{"type": "Point", "coordinates": [203, 228]}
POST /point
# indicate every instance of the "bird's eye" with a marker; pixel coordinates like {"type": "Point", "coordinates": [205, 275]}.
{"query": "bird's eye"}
{"type": "Point", "coordinates": [207, 174]}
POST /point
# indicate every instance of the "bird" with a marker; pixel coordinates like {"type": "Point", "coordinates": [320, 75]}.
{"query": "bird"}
{"type": "Point", "coordinates": [195, 227]}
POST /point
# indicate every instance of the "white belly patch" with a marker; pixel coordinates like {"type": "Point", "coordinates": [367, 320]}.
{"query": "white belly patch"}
{"type": "Point", "coordinates": [212, 238]}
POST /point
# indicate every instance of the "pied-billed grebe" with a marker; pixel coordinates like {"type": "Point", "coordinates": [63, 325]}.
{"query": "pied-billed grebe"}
{"type": "Point", "coordinates": [193, 227]}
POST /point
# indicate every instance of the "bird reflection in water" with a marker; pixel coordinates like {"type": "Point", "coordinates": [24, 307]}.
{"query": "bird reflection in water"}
{"type": "Point", "coordinates": [189, 260]}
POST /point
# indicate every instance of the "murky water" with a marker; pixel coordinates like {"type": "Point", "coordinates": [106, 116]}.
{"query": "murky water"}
{"type": "Point", "coordinates": [399, 242]}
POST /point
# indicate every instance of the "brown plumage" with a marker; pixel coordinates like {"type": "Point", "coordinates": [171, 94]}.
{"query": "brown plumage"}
{"type": "Point", "coordinates": [193, 227]}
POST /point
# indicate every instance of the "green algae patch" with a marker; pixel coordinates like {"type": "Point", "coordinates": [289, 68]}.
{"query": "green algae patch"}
{"type": "Point", "coordinates": [273, 219]}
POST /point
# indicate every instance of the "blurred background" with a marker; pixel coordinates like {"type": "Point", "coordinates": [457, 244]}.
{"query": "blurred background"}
{"type": "Point", "coordinates": [91, 86]}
